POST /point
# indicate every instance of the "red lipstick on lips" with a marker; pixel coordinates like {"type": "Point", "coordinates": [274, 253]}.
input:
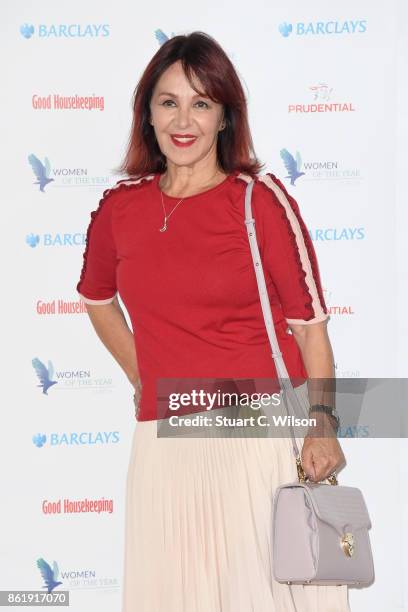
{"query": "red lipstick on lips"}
{"type": "Point", "coordinates": [178, 143]}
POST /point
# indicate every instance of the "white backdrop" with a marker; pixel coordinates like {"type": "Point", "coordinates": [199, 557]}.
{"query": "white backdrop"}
{"type": "Point", "coordinates": [73, 442]}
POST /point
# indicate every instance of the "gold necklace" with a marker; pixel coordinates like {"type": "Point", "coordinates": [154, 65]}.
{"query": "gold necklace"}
{"type": "Point", "coordinates": [166, 217]}
{"type": "Point", "coordinates": [163, 229]}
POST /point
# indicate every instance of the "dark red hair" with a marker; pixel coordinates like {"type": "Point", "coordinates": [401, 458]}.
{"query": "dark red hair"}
{"type": "Point", "coordinates": [202, 57]}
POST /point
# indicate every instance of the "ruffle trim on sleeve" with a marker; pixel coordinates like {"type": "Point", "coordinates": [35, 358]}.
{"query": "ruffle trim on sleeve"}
{"type": "Point", "coordinates": [308, 304]}
{"type": "Point", "coordinates": [306, 238]}
{"type": "Point", "coordinates": [122, 185]}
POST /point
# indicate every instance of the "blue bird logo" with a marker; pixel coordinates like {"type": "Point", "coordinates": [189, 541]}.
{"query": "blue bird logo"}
{"type": "Point", "coordinates": [161, 37]}
{"type": "Point", "coordinates": [32, 240]}
{"type": "Point", "coordinates": [27, 30]}
{"type": "Point", "coordinates": [45, 375]}
{"type": "Point", "coordinates": [292, 165]}
{"type": "Point", "coordinates": [285, 29]}
{"type": "Point", "coordinates": [49, 575]}
{"type": "Point", "coordinates": [41, 171]}
{"type": "Point", "coordinates": [39, 440]}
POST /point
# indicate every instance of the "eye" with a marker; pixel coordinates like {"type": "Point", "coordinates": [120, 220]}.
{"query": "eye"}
{"type": "Point", "coordinates": [199, 102]}
{"type": "Point", "coordinates": [202, 102]}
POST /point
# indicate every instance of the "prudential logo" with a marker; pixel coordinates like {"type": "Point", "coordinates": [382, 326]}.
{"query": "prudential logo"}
{"type": "Point", "coordinates": [326, 28]}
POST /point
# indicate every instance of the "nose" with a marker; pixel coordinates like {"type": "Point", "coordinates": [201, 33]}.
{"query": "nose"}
{"type": "Point", "coordinates": [183, 116]}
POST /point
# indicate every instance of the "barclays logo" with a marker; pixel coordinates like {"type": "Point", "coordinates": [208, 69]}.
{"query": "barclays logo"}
{"type": "Point", "coordinates": [354, 431]}
{"type": "Point", "coordinates": [32, 240]}
{"type": "Point", "coordinates": [55, 240]}
{"type": "Point", "coordinates": [73, 30]}
{"type": "Point", "coordinates": [39, 440]}
{"type": "Point", "coordinates": [74, 438]}
{"type": "Point", "coordinates": [27, 30]}
{"type": "Point", "coordinates": [285, 29]}
{"type": "Point", "coordinates": [323, 27]}
{"type": "Point", "coordinates": [337, 233]}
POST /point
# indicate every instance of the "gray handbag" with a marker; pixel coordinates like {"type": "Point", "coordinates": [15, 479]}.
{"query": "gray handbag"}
{"type": "Point", "coordinates": [319, 530]}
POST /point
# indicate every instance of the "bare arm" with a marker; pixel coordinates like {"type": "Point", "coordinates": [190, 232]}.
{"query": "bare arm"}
{"type": "Point", "coordinates": [317, 355]}
{"type": "Point", "coordinates": [111, 327]}
{"type": "Point", "coordinates": [314, 343]}
{"type": "Point", "coordinates": [320, 455]}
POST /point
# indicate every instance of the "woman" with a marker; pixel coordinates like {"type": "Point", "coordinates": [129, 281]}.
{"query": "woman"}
{"type": "Point", "coordinates": [172, 240]}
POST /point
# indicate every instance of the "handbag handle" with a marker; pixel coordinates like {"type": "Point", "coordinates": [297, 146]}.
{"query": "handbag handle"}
{"type": "Point", "coordinates": [284, 379]}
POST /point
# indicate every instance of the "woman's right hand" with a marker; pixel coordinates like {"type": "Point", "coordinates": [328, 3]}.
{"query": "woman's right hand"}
{"type": "Point", "coordinates": [321, 452]}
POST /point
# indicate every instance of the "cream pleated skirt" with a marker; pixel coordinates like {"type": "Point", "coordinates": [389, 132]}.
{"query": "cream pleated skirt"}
{"type": "Point", "coordinates": [198, 526]}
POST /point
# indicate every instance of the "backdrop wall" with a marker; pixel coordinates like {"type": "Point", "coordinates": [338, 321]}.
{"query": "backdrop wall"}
{"type": "Point", "coordinates": [325, 82]}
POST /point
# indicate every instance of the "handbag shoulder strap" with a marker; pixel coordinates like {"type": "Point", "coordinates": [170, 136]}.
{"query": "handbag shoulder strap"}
{"type": "Point", "coordinates": [285, 382]}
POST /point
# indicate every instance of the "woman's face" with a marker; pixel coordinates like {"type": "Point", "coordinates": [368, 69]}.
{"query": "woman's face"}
{"type": "Point", "coordinates": [177, 109]}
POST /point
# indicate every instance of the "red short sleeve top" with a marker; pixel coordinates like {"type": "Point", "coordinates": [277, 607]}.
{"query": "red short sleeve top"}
{"type": "Point", "coordinates": [191, 291]}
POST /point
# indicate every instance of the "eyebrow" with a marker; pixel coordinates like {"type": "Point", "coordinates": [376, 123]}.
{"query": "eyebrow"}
{"type": "Point", "coordinates": [173, 95]}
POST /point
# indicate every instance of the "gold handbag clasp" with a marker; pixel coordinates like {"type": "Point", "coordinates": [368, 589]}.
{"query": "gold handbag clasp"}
{"type": "Point", "coordinates": [332, 478]}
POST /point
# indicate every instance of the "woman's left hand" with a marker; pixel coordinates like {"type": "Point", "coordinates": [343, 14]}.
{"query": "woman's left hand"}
{"type": "Point", "coordinates": [321, 455]}
{"type": "Point", "coordinates": [138, 392]}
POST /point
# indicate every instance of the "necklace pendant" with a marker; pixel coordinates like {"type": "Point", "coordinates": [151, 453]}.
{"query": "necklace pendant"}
{"type": "Point", "coordinates": [163, 229]}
